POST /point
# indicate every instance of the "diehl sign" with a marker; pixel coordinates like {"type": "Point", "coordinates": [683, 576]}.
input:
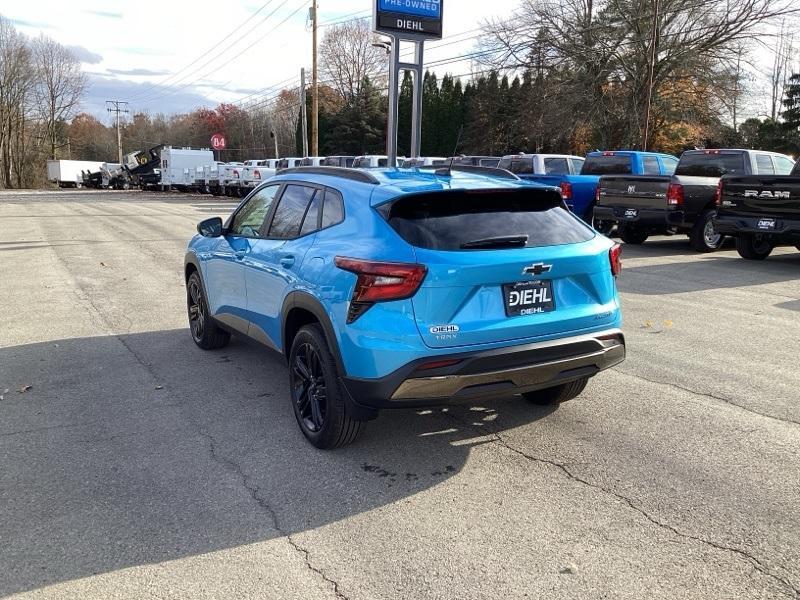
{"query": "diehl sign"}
{"type": "Point", "coordinates": [417, 18]}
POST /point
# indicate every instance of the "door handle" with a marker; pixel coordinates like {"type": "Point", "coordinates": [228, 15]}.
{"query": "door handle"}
{"type": "Point", "coordinates": [239, 254]}
{"type": "Point", "coordinates": [287, 261]}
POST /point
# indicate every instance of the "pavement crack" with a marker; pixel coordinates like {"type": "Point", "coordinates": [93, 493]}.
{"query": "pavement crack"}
{"type": "Point", "coordinates": [709, 395]}
{"type": "Point", "coordinates": [254, 491]}
{"type": "Point", "coordinates": [753, 560]}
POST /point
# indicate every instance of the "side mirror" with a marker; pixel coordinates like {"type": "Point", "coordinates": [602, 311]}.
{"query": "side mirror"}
{"type": "Point", "coordinates": [210, 228]}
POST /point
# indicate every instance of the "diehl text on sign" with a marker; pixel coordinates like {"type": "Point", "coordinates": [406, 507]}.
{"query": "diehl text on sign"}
{"type": "Point", "coordinates": [420, 18]}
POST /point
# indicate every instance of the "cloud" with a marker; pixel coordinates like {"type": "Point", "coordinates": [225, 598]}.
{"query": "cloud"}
{"type": "Point", "coordinates": [85, 56]}
{"type": "Point", "coordinates": [104, 14]}
{"type": "Point", "coordinates": [138, 72]}
{"type": "Point", "coordinates": [32, 24]}
{"type": "Point", "coordinates": [102, 88]}
{"type": "Point", "coordinates": [144, 51]}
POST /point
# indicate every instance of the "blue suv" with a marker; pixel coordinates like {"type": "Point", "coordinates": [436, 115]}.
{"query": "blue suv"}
{"type": "Point", "coordinates": [396, 288]}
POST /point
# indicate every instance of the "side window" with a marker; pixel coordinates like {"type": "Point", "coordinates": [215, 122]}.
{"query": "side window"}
{"type": "Point", "coordinates": [333, 211]}
{"type": "Point", "coordinates": [349, 161]}
{"type": "Point", "coordinates": [670, 164]}
{"type": "Point", "coordinates": [556, 166]}
{"type": "Point", "coordinates": [311, 220]}
{"type": "Point", "coordinates": [783, 166]}
{"type": "Point", "coordinates": [650, 164]}
{"type": "Point", "coordinates": [764, 164]}
{"type": "Point", "coordinates": [250, 219]}
{"type": "Point", "coordinates": [289, 215]}
{"type": "Point", "coordinates": [383, 162]}
{"type": "Point", "coordinates": [577, 164]}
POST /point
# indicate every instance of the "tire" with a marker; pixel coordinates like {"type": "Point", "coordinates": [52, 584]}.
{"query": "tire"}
{"type": "Point", "coordinates": [632, 234]}
{"type": "Point", "coordinates": [703, 237]}
{"type": "Point", "coordinates": [205, 333]}
{"type": "Point", "coordinates": [753, 247]}
{"type": "Point", "coordinates": [316, 392]}
{"type": "Point", "coordinates": [558, 394]}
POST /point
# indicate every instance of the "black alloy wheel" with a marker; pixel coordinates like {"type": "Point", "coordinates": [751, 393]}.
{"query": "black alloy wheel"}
{"type": "Point", "coordinates": [205, 332]}
{"type": "Point", "coordinates": [309, 389]}
{"type": "Point", "coordinates": [318, 396]}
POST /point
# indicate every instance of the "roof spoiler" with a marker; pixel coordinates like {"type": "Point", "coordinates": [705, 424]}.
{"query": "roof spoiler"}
{"type": "Point", "coordinates": [488, 171]}
{"type": "Point", "coordinates": [343, 172]}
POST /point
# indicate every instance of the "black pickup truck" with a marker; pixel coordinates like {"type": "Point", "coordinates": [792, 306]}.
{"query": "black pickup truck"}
{"type": "Point", "coordinates": [685, 202]}
{"type": "Point", "coordinates": [761, 211]}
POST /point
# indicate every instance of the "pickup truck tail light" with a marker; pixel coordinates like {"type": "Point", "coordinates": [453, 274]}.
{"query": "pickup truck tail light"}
{"type": "Point", "coordinates": [675, 194]}
{"type": "Point", "coordinates": [615, 257]}
{"type": "Point", "coordinates": [566, 190]}
{"type": "Point", "coordinates": [718, 194]}
{"type": "Point", "coordinates": [236, 173]}
{"type": "Point", "coordinates": [257, 174]}
{"type": "Point", "coordinates": [380, 282]}
{"type": "Point", "coordinates": [597, 194]}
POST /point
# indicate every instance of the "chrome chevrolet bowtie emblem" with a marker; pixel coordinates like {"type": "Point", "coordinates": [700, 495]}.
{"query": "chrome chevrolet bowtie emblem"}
{"type": "Point", "coordinates": [537, 269]}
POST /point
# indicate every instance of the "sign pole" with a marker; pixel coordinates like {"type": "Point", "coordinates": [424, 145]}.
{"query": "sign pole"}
{"type": "Point", "coordinates": [416, 109]}
{"type": "Point", "coordinates": [394, 74]}
{"type": "Point", "coordinates": [404, 22]}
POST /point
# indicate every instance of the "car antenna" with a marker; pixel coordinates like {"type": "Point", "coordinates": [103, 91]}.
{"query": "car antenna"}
{"type": "Point", "coordinates": [448, 171]}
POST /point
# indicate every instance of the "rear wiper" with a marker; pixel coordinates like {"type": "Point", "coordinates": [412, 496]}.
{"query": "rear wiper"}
{"type": "Point", "coordinates": [505, 241]}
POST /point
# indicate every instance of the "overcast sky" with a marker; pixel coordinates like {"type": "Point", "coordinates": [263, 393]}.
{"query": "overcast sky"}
{"type": "Point", "coordinates": [236, 49]}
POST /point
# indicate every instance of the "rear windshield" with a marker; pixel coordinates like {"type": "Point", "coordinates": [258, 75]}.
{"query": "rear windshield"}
{"type": "Point", "coordinates": [612, 164]}
{"type": "Point", "coordinates": [710, 164]}
{"type": "Point", "coordinates": [450, 220]}
{"type": "Point", "coordinates": [520, 166]}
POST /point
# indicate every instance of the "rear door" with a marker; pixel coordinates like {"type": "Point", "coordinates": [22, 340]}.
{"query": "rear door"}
{"type": "Point", "coordinates": [503, 265]}
{"type": "Point", "coordinates": [274, 262]}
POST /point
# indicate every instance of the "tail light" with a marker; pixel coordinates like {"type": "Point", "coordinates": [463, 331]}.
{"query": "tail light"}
{"type": "Point", "coordinates": [257, 174]}
{"type": "Point", "coordinates": [615, 257]}
{"type": "Point", "coordinates": [597, 195]}
{"type": "Point", "coordinates": [718, 194]}
{"type": "Point", "coordinates": [675, 194]}
{"type": "Point", "coordinates": [607, 153]}
{"type": "Point", "coordinates": [236, 173]}
{"type": "Point", "coordinates": [566, 190]}
{"type": "Point", "coordinates": [380, 282]}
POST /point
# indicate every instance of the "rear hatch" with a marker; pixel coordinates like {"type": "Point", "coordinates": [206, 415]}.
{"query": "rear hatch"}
{"type": "Point", "coordinates": [503, 265]}
{"type": "Point", "coordinates": [634, 191]}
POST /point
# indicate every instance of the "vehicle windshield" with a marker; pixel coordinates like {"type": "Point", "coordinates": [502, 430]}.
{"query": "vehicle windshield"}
{"type": "Point", "coordinates": [608, 164]}
{"type": "Point", "coordinates": [711, 164]}
{"type": "Point", "coordinates": [496, 220]}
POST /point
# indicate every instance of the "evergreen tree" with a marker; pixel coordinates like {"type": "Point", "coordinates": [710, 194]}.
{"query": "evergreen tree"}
{"type": "Point", "coordinates": [791, 115]}
{"type": "Point", "coordinates": [431, 120]}
{"type": "Point", "coordinates": [404, 115]}
{"type": "Point", "coordinates": [360, 127]}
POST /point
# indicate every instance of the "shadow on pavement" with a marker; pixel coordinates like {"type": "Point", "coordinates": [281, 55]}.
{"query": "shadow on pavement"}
{"type": "Point", "coordinates": [138, 449]}
{"type": "Point", "coordinates": [713, 271]}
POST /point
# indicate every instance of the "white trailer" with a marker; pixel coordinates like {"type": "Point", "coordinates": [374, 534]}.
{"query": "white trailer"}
{"type": "Point", "coordinates": [69, 173]}
{"type": "Point", "coordinates": [179, 166]}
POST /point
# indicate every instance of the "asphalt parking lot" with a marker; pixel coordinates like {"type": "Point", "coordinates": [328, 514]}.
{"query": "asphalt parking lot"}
{"type": "Point", "coordinates": [134, 465]}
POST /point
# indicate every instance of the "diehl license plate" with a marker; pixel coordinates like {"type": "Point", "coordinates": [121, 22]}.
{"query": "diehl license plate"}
{"type": "Point", "coordinates": [766, 223]}
{"type": "Point", "coordinates": [528, 298]}
{"type": "Point", "coordinates": [631, 213]}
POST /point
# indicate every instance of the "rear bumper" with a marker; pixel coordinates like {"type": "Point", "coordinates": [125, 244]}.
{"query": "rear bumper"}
{"type": "Point", "coordinates": [498, 372]}
{"type": "Point", "coordinates": [647, 217]}
{"type": "Point", "coordinates": [786, 231]}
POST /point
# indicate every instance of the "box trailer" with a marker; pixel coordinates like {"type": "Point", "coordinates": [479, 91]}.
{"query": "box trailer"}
{"type": "Point", "coordinates": [179, 166]}
{"type": "Point", "coordinates": [69, 173]}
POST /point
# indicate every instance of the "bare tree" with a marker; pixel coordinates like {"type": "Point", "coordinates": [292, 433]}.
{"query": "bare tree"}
{"type": "Point", "coordinates": [348, 56]}
{"type": "Point", "coordinates": [617, 53]}
{"type": "Point", "coordinates": [781, 66]}
{"type": "Point", "coordinates": [60, 86]}
{"type": "Point", "coordinates": [16, 83]}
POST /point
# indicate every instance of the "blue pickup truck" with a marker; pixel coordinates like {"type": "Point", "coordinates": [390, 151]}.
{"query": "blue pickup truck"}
{"type": "Point", "coordinates": [579, 191]}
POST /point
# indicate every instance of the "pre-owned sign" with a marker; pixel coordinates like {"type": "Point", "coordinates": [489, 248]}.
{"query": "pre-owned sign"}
{"type": "Point", "coordinates": [413, 18]}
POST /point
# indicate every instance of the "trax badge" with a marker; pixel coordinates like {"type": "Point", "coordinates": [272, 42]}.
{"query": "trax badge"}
{"type": "Point", "coordinates": [537, 269]}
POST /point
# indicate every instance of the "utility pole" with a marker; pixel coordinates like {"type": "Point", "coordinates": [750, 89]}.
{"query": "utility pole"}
{"type": "Point", "coordinates": [119, 107]}
{"type": "Point", "coordinates": [314, 83]}
{"type": "Point", "coordinates": [274, 137]}
{"type": "Point", "coordinates": [304, 112]}
{"type": "Point", "coordinates": [653, 58]}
